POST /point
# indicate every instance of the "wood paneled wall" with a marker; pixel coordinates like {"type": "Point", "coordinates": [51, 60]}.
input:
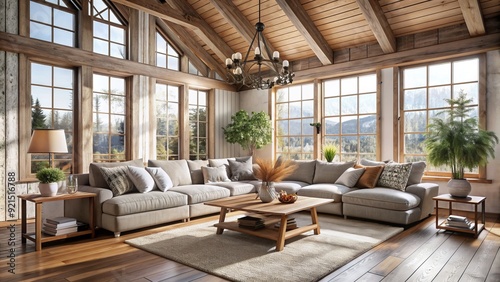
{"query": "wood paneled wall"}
{"type": "Point", "coordinates": [227, 103]}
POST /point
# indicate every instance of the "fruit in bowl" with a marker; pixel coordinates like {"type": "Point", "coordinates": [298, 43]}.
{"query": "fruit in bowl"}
{"type": "Point", "coordinates": [286, 198]}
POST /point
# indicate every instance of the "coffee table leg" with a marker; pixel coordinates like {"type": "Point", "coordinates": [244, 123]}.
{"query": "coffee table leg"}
{"type": "Point", "coordinates": [280, 243]}
{"type": "Point", "coordinates": [222, 217]}
{"type": "Point", "coordinates": [314, 219]}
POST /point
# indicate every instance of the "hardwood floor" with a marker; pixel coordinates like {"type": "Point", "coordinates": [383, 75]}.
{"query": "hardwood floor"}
{"type": "Point", "coordinates": [420, 253]}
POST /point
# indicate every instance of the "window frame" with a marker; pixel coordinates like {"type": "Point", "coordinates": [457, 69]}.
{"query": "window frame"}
{"type": "Point", "coordinates": [482, 106]}
{"type": "Point", "coordinates": [167, 136]}
{"type": "Point", "coordinates": [70, 9]}
{"type": "Point", "coordinates": [159, 32]}
{"type": "Point", "coordinates": [123, 25]}
{"type": "Point", "coordinates": [197, 155]}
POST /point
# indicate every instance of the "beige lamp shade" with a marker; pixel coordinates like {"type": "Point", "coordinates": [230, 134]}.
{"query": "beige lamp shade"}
{"type": "Point", "coordinates": [48, 141]}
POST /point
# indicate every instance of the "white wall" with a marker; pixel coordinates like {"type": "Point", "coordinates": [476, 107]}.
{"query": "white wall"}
{"type": "Point", "coordinates": [254, 100]}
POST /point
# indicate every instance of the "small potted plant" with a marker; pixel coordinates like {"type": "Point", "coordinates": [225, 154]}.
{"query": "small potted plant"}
{"type": "Point", "coordinates": [458, 142]}
{"type": "Point", "coordinates": [329, 152]}
{"type": "Point", "coordinates": [48, 181]}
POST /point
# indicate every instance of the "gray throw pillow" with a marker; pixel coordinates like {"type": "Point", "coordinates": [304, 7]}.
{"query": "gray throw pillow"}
{"type": "Point", "coordinates": [241, 169]}
{"type": "Point", "coordinates": [350, 177]}
{"type": "Point", "coordinates": [214, 174]}
{"type": "Point", "coordinates": [219, 162]}
{"type": "Point", "coordinates": [395, 176]}
{"type": "Point", "coordinates": [366, 162]}
{"type": "Point", "coordinates": [117, 180]}
{"type": "Point", "coordinates": [330, 172]}
{"type": "Point", "coordinates": [141, 178]}
{"type": "Point", "coordinates": [195, 169]}
{"type": "Point", "coordinates": [161, 178]}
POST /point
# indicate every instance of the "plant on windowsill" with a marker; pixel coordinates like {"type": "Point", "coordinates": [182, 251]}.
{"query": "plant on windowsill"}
{"type": "Point", "coordinates": [457, 141]}
{"type": "Point", "coordinates": [329, 152]}
{"type": "Point", "coordinates": [48, 181]}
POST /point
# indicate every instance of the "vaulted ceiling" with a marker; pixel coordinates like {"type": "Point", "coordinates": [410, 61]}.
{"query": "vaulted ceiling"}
{"type": "Point", "coordinates": [301, 29]}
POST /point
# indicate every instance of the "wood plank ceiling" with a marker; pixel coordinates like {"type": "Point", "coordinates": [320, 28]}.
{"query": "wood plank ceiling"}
{"type": "Point", "coordinates": [301, 29]}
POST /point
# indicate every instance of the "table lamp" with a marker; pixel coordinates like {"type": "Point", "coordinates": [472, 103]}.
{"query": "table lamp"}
{"type": "Point", "coordinates": [48, 141]}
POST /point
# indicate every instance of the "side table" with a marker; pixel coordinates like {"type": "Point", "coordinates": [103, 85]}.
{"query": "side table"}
{"type": "Point", "coordinates": [472, 200]}
{"type": "Point", "coordinates": [40, 238]}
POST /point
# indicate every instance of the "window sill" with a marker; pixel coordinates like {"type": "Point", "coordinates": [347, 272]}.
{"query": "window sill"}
{"type": "Point", "coordinates": [447, 178]}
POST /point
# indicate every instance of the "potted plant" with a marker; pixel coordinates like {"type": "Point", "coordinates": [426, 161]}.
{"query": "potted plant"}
{"type": "Point", "coordinates": [48, 181]}
{"type": "Point", "coordinates": [269, 172]}
{"type": "Point", "coordinates": [251, 132]}
{"type": "Point", "coordinates": [457, 142]}
{"type": "Point", "coordinates": [329, 152]}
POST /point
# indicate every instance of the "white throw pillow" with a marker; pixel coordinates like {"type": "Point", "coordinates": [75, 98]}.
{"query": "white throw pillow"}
{"type": "Point", "coordinates": [214, 174]}
{"type": "Point", "coordinates": [350, 177]}
{"type": "Point", "coordinates": [161, 178]}
{"type": "Point", "coordinates": [141, 178]}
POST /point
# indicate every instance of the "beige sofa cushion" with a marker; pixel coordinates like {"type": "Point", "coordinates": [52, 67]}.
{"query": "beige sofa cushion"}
{"type": "Point", "coordinates": [178, 170]}
{"type": "Point", "coordinates": [328, 191]}
{"type": "Point", "coordinates": [238, 188]}
{"type": "Point", "coordinates": [195, 170]}
{"type": "Point", "coordinates": [96, 178]}
{"type": "Point", "coordinates": [330, 172]}
{"type": "Point", "coordinates": [383, 198]}
{"type": "Point", "coordinates": [143, 202]}
{"type": "Point", "coordinates": [202, 193]}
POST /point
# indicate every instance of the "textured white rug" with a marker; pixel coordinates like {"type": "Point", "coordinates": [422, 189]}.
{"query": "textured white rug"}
{"type": "Point", "coordinates": [241, 257]}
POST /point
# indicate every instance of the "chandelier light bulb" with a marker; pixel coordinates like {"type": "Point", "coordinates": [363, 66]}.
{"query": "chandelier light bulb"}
{"type": "Point", "coordinates": [276, 55]}
{"type": "Point", "coordinates": [237, 56]}
{"type": "Point", "coordinates": [257, 51]}
{"type": "Point", "coordinates": [285, 63]}
{"type": "Point", "coordinates": [238, 71]}
{"type": "Point", "coordinates": [229, 62]}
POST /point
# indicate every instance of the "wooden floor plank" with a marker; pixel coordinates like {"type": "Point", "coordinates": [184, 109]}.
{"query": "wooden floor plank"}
{"type": "Point", "coordinates": [417, 251]}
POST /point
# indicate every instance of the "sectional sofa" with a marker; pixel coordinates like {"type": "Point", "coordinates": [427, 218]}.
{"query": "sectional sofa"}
{"type": "Point", "coordinates": [389, 192]}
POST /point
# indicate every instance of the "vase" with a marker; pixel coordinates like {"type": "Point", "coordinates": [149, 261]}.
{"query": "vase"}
{"type": "Point", "coordinates": [267, 193]}
{"type": "Point", "coordinates": [48, 189]}
{"type": "Point", "coordinates": [459, 187]}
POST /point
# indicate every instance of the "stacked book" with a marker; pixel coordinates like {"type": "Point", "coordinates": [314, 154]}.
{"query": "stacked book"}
{"type": "Point", "coordinates": [459, 222]}
{"type": "Point", "coordinates": [290, 224]}
{"type": "Point", "coordinates": [60, 226]}
{"type": "Point", "coordinates": [251, 222]}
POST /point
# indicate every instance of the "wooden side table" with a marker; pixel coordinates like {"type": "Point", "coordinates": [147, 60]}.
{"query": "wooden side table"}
{"type": "Point", "coordinates": [40, 238]}
{"type": "Point", "coordinates": [472, 200]}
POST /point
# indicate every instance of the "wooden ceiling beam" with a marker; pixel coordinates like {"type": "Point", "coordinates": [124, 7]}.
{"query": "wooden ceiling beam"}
{"type": "Point", "coordinates": [472, 16]}
{"type": "Point", "coordinates": [237, 20]}
{"type": "Point", "coordinates": [301, 20]}
{"type": "Point", "coordinates": [469, 46]}
{"type": "Point", "coordinates": [187, 17]}
{"type": "Point", "coordinates": [190, 46]}
{"type": "Point", "coordinates": [204, 31]}
{"type": "Point", "coordinates": [378, 24]}
{"type": "Point", "coordinates": [51, 52]}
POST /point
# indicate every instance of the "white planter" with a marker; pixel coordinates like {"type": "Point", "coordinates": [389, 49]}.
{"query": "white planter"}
{"type": "Point", "coordinates": [48, 189]}
{"type": "Point", "coordinates": [459, 187]}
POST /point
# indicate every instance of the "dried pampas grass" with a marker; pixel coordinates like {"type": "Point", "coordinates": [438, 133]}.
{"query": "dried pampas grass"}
{"type": "Point", "coordinates": [273, 172]}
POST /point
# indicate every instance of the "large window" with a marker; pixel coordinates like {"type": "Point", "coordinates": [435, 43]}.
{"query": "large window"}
{"type": "Point", "coordinates": [52, 107]}
{"type": "Point", "coordinates": [109, 32]}
{"type": "Point", "coordinates": [109, 111]}
{"type": "Point", "coordinates": [198, 124]}
{"type": "Point", "coordinates": [167, 122]}
{"type": "Point", "coordinates": [294, 114]}
{"type": "Point", "coordinates": [424, 90]}
{"type": "Point", "coordinates": [350, 116]}
{"type": "Point", "coordinates": [53, 21]}
{"type": "Point", "coordinates": [166, 56]}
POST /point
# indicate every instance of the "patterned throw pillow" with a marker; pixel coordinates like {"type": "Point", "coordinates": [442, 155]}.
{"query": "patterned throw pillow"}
{"type": "Point", "coordinates": [395, 176]}
{"type": "Point", "coordinates": [117, 179]}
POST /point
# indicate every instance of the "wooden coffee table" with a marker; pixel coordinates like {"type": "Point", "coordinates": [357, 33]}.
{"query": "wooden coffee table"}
{"type": "Point", "coordinates": [250, 204]}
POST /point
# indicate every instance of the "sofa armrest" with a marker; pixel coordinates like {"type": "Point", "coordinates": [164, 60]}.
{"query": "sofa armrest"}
{"type": "Point", "coordinates": [425, 191]}
{"type": "Point", "coordinates": [78, 208]}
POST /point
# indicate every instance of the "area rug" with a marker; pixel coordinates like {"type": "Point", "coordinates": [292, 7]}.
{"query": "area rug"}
{"type": "Point", "coordinates": [241, 257]}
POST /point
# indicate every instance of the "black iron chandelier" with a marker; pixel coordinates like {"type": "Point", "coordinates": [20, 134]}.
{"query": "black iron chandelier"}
{"type": "Point", "coordinates": [242, 72]}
